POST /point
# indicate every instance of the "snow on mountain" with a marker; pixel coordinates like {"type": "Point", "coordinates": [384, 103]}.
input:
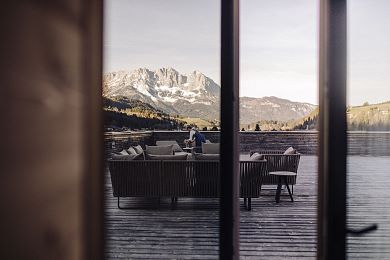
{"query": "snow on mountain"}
{"type": "Point", "coordinates": [194, 95]}
{"type": "Point", "coordinates": [167, 89]}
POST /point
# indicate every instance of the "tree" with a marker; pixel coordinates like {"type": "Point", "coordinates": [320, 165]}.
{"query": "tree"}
{"type": "Point", "coordinates": [257, 128]}
{"type": "Point", "coordinates": [243, 129]}
{"type": "Point", "coordinates": [366, 104]}
{"type": "Point", "coordinates": [205, 128]}
{"type": "Point", "coordinates": [214, 128]}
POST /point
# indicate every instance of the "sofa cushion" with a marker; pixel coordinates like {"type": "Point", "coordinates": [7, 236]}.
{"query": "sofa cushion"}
{"type": "Point", "coordinates": [257, 157]}
{"type": "Point", "coordinates": [175, 145]}
{"type": "Point", "coordinates": [176, 157]}
{"type": "Point", "coordinates": [181, 153]}
{"type": "Point", "coordinates": [206, 157]}
{"type": "Point", "coordinates": [128, 157]}
{"type": "Point", "coordinates": [212, 148]}
{"type": "Point", "coordinates": [290, 150]}
{"type": "Point", "coordinates": [159, 150]}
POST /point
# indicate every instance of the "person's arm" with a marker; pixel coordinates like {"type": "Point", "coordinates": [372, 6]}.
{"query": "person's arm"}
{"type": "Point", "coordinates": [192, 132]}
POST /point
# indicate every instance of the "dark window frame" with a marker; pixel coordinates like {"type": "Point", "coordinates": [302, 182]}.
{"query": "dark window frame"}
{"type": "Point", "coordinates": [229, 202]}
{"type": "Point", "coordinates": [331, 231]}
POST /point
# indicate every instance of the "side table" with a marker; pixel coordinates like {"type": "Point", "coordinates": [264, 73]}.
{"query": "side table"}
{"type": "Point", "coordinates": [189, 149]}
{"type": "Point", "coordinates": [282, 177]}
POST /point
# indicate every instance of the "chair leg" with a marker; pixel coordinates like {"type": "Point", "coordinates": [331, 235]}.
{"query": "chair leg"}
{"type": "Point", "coordinates": [173, 202]}
{"type": "Point", "coordinates": [278, 190]}
{"type": "Point", "coordinates": [119, 206]}
{"type": "Point", "coordinates": [245, 203]}
{"type": "Point", "coordinates": [249, 204]}
{"type": "Point", "coordinates": [289, 192]}
{"type": "Point", "coordinates": [292, 189]}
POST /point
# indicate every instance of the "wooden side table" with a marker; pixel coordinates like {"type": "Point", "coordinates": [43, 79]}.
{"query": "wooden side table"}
{"type": "Point", "coordinates": [282, 177]}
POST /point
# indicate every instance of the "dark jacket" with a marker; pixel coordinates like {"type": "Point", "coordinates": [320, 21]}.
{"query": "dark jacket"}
{"type": "Point", "coordinates": [199, 139]}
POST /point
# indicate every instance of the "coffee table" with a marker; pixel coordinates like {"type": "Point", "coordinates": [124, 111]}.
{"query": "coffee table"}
{"type": "Point", "coordinates": [189, 149]}
{"type": "Point", "coordinates": [282, 177]}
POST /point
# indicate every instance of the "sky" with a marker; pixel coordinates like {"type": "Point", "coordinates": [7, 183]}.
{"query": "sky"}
{"type": "Point", "coordinates": [278, 44]}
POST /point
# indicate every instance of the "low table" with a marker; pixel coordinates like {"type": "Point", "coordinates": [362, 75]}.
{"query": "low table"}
{"type": "Point", "coordinates": [189, 149]}
{"type": "Point", "coordinates": [282, 177]}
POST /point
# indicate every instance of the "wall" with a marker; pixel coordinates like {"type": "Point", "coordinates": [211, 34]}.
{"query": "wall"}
{"type": "Point", "coordinates": [360, 143]}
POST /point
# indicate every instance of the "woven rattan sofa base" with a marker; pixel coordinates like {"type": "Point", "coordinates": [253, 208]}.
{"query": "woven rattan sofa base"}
{"type": "Point", "coordinates": [196, 179]}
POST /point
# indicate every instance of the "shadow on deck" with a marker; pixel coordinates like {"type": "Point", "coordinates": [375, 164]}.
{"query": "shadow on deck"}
{"type": "Point", "coordinates": [270, 231]}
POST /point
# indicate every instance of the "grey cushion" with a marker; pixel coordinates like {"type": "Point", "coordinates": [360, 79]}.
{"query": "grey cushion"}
{"type": "Point", "coordinates": [290, 150]}
{"type": "Point", "coordinates": [138, 149]}
{"type": "Point", "coordinates": [128, 157]}
{"type": "Point", "coordinates": [180, 157]}
{"type": "Point", "coordinates": [159, 150]}
{"type": "Point", "coordinates": [212, 148]}
{"type": "Point", "coordinates": [206, 157]}
{"type": "Point", "coordinates": [257, 157]}
{"type": "Point", "coordinates": [181, 153]}
{"type": "Point", "coordinates": [175, 145]}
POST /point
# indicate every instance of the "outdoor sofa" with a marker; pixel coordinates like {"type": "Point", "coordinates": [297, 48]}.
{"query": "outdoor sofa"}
{"type": "Point", "coordinates": [181, 178]}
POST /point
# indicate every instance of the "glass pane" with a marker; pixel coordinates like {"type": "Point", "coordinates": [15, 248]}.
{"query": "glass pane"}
{"type": "Point", "coordinates": [278, 110]}
{"type": "Point", "coordinates": [368, 115]}
{"type": "Point", "coordinates": [161, 87]}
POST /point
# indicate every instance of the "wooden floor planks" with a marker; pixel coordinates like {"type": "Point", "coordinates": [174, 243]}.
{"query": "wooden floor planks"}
{"type": "Point", "coordinates": [152, 230]}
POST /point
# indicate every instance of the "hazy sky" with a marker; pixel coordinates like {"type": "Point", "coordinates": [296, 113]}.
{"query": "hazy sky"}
{"type": "Point", "coordinates": [279, 40]}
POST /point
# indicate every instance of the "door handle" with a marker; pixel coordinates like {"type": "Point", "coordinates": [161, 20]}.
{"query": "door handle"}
{"type": "Point", "coordinates": [362, 231]}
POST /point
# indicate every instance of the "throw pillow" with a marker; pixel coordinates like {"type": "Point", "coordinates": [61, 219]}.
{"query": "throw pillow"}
{"type": "Point", "coordinates": [159, 150]}
{"type": "Point", "coordinates": [123, 152]}
{"type": "Point", "coordinates": [138, 149]}
{"type": "Point", "coordinates": [290, 150]}
{"type": "Point", "coordinates": [257, 157]}
{"type": "Point", "coordinates": [131, 150]}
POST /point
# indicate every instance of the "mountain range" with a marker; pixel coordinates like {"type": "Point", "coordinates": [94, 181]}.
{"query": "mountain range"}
{"type": "Point", "coordinates": [194, 95]}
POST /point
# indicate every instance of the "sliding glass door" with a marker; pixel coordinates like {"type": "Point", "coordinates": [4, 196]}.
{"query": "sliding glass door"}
{"type": "Point", "coordinates": [368, 121]}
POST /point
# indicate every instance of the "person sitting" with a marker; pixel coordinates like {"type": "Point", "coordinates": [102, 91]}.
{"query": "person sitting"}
{"type": "Point", "coordinates": [198, 138]}
{"type": "Point", "coordinates": [190, 141]}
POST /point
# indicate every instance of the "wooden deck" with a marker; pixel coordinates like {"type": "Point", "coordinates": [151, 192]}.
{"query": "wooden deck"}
{"type": "Point", "coordinates": [270, 231]}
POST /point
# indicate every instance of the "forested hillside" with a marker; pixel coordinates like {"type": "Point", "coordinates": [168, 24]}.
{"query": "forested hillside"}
{"type": "Point", "coordinates": [374, 117]}
{"type": "Point", "coordinates": [134, 114]}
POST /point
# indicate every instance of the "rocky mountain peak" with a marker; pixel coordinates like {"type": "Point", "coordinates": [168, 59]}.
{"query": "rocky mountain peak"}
{"type": "Point", "coordinates": [194, 95]}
